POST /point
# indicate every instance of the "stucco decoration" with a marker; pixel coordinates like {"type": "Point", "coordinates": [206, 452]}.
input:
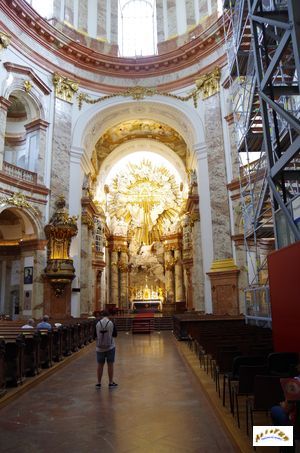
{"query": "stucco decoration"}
{"type": "Point", "coordinates": [145, 201]}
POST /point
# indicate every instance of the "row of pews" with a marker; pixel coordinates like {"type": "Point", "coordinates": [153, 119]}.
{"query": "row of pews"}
{"type": "Point", "coordinates": [24, 352]}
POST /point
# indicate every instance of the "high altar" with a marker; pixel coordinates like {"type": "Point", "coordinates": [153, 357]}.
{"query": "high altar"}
{"type": "Point", "coordinates": [147, 299]}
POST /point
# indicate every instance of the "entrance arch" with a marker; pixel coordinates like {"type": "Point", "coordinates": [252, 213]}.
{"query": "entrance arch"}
{"type": "Point", "coordinates": [89, 127]}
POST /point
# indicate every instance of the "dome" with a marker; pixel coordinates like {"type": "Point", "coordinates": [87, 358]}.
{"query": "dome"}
{"type": "Point", "coordinates": [130, 28]}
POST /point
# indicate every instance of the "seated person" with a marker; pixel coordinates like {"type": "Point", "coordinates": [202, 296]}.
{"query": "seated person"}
{"type": "Point", "coordinates": [44, 324]}
{"type": "Point", "coordinates": [286, 412]}
{"type": "Point", "coordinates": [29, 324]}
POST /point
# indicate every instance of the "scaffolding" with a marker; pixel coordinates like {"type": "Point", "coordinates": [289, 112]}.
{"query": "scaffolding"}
{"type": "Point", "coordinates": [263, 48]}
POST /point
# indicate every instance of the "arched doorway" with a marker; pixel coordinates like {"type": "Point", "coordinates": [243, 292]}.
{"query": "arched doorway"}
{"type": "Point", "coordinates": [20, 285]}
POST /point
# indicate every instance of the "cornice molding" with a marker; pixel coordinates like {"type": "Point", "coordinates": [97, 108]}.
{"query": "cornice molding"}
{"type": "Point", "coordinates": [24, 70]}
{"type": "Point", "coordinates": [4, 103]}
{"type": "Point", "coordinates": [88, 59]}
{"type": "Point", "coordinates": [37, 125]}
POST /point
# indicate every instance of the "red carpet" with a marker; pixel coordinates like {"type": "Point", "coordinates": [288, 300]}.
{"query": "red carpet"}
{"type": "Point", "coordinates": [144, 315]}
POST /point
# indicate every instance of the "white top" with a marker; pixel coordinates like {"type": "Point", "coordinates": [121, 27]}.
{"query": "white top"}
{"type": "Point", "coordinates": [110, 327]}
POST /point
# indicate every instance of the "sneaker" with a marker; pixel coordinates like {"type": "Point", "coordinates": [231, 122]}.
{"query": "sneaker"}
{"type": "Point", "coordinates": [98, 386]}
{"type": "Point", "coordinates": [112, 384]}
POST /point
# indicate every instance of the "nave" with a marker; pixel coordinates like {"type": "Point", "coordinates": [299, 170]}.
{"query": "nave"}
{"type": "Point", "coordinates": [159, 406]}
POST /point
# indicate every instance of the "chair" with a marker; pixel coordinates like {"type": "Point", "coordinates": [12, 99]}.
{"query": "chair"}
{"type": "Point", "coordinates": [282, 364]}
{"type": "Point", "coordinates": [245, 385]}
{"type": "Point", "coordinates": [233, 375]}
{"type": "Point", "coordinates": [267, 392]}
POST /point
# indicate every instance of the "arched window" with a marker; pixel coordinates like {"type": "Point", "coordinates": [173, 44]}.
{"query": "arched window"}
{"type": "Point", "coordinates": [44, 8]}
{"type": "Point", "coordinates": [137, 28]}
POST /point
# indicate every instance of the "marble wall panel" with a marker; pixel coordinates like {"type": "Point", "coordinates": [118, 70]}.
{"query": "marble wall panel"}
{"type": "Point", "coordinates": [101, 19]}
{"type": "Point", "coordinates": [172, 18]}
{"type": "Point", "coordinates": [83, 15]}
{"type": "Point", "coordinates": [190, 13]}
{"type": "Point", "coordinates": [217, 178]}
{"type": "Point", "coordinates": [60, 165]}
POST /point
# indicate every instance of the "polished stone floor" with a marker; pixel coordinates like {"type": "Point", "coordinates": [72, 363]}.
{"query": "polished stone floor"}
{"type": "Point", "coordinates": [159, 406]}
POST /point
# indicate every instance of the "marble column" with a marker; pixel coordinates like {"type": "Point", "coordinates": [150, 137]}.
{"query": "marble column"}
{"type": "Point", "coordinates": [123, 266]}
{"type": "Point", "coordinates": [83, 16]}
{"type": "Point", "coordinates": [69, 11]}
{"type": "Point", "coordinates": [169, 275]}
{"type": "Point", "coordinates": [190, 13]}
{"type": "Point", "coordinates": [4, 104]}
{"type": "Point", "coordinates": [101, 19]}
{"type": "Point", "coordinates": [189, 287]}
{"type": "Point", "coordinates": [217, 178]}
{"type": "Point", "coordinates": [98, 291]}
{"type": "Point", "coordinates": [114, 279]}
{"type": "Point", "coordinates": [57, 9]}
{"type": "Point", "coordinates": [160, 20]}
{"type": "Point", "coordinates": [206, 230]}
{"type": "Point", "coordinates": [86, 271]}
{"type": "Point", "coordinates": [40, 260]}
{"type": "Point", "coordinates": [60, 167]}
{"type": "Point", "coordinates": [114, 21]}
{"type": "Point", "coordinates": [179, 287]}
{"type": "Point", "coordinates": [198, 277]}
{"type": "Point", "coordinates": [172, 18]}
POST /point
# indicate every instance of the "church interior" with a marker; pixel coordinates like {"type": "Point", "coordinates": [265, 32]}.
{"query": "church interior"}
{"type": "Point", "coordinates": [149, 167]}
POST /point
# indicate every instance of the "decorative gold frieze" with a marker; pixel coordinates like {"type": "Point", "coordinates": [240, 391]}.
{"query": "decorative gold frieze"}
{"type": "Point", "coordinates": [209, 84]}
{"type": "Point", "coordinates": [4, 40]}
{"type": "Point", "coordinates": [64, 88]}
{"type": "Point", "coordinates": [27, 86]}
{"type": "Point", "coordinates": [19, 200]}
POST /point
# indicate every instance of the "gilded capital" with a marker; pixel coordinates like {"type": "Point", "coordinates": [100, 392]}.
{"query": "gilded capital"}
{"type": "Point", "coordinates": [4, 40]}
{"type": "Point", "coordinates": [64, 88]}
{"type": "Point", "coordinates": [208, 84]}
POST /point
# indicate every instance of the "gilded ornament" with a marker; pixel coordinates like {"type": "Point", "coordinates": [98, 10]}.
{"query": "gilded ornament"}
{"type": "Point", "coordinates": [19, 200]}
{"type": "Point", "coordinates": [87, 220]}
{"type": "Point", "coordinates": [4, 40]}
{"type": "Point", "coordinates": [64, 88]}
{"type": "Point", "coordinates": [137, 93]}
{"type": "Point", "coordinates": [208, 84]}
{"type": "Point", "coordinates": [27, 86]}
{"type": "Point", "coordinates": [59, 233]}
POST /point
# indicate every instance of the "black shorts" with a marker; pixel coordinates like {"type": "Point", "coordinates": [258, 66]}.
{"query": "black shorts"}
{"type": "Point", "coordinates": [108, 355]}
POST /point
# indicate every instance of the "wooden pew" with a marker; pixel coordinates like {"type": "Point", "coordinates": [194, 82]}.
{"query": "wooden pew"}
{"type": "Point", "coordinates": [14, 357]}
{"type": "Point", "coordinates": [2, 368]}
